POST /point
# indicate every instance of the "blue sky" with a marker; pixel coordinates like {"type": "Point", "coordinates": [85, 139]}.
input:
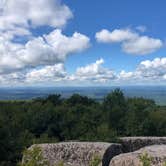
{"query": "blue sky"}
{"type": "Point", "coordinates": [92, 16]}
{"type": "Point", "coordinates": [106, 42]}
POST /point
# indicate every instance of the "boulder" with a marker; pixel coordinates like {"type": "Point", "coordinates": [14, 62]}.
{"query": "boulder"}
{"type": "Point", "coordinates": [155, 155]}
{"type": "Point", "coordinates": [131, 144]}
{"type": "Point", "coordinates": [79, 153]}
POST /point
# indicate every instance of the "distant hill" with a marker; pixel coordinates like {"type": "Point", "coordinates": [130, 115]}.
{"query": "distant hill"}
{"type": "Point", "coordinates": [157, 93]}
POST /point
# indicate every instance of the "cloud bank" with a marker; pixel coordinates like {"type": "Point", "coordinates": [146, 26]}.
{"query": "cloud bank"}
{"type": "Point", "coordinates": [40, 59]}
{"type": "Point", "coordinates": [146, 72]}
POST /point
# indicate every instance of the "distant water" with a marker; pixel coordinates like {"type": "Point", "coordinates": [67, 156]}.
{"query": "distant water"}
{"type": "Point", "coordinates": [157, 93]}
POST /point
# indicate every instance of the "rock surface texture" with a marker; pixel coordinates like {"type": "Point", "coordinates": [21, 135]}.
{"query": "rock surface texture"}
{"type": "Point", "coordinates": [156, 154]}
{"type": "Point", "coordinates": [79, 153]}
{"type": "Point", "coordinates": [131, 144]}
{"type": "Point", "coordinates": [82, 153]}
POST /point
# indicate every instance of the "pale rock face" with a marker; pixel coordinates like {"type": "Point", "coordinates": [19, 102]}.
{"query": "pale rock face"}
{"type": "Point", "coordinates": [157, 153]}
{"type": "Point", "coordinates": [82, 153]}
{"type": "Point", "coordinates": [79, 153]}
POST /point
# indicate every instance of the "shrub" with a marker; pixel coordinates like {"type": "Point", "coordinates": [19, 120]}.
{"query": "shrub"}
{"type": "Point", "coordinates": [33, 157]}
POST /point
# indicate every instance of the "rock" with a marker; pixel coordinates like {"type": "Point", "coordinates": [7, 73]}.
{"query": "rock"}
{"type": "Point", "coordinates": [156, 154]}
{"type": "Point", "coordinates": [79, 153]}
{"type": "Point", "coordinates": [131, 144]}
{"type": "Point", "coordinates": [82, 153]}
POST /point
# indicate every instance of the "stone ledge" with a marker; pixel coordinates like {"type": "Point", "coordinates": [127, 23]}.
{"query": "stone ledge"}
{"type": "Point", "coordinates": [156, 153]}
{"type": "Point", "coordinates": [79, 153]}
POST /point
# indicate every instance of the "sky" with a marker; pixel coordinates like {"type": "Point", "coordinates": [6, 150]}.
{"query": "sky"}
{"type": "Point", "coordinates": [82, 42]}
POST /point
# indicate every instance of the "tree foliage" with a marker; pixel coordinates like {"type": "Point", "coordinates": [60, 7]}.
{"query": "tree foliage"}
{"type": "Point", "coordinates": [54, 119]}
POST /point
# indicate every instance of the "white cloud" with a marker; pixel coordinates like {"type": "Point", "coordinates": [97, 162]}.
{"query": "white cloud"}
{"type": "Point", "coordinates": [45, 50]}
{"type": "Point", "coordinates": [164, 77]}
{"type": "Point", "coordinates": [153, 69]}
{"type": "Point", "coordinates": [17, 17]}
{"type": "Point", "coordinates": [147, 71]}
{"type": "Point", "coordinates": [91, 73]}
{"type": "Point", "coordinates": [92, 69]}
{"type": "Point", "coordinates": [16, 13]}
{"type": "Point", "coordinates": [41, 59]}
{"type": "Point", "coordinates": [118, 35]}
{"type": "Point", "coordinates": [156, 63]}
{"type": "Point", "coordinates": [131, 42]}
{"type": "Point", "coordinates": [94, 72]}
{"type": "Point", "coordinates": [15, 78]}
{"type": "Point", "coordinates": [46, 74]}
{"type": "Point", "coordinates": [142, 45]}
{"type": "Point", "coordinates": [37, 58]}
{"type": "Point", "coordinates": [125, 75]}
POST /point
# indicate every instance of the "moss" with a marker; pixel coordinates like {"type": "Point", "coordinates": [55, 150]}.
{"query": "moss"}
{"type": "Point", "coordinates": [33, 157]}
{"type": "Point", "coordinates": [96, 160]}
{"type": "Point", "coordinates": [145, 159]}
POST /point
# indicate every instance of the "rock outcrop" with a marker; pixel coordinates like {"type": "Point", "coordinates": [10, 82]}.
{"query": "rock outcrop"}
{"type": "Point", "coordinates": [155, 154]}
{"type": "Point", "coordinates": [131, 144]}
{"type": "Point", "coordinates": [79, 153]}
{"type": "Point", "coordinates": [82, 153]}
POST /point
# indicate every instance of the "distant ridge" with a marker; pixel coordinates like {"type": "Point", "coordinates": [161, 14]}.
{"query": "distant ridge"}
{"type": "Point", "coordinates": [157, 93]}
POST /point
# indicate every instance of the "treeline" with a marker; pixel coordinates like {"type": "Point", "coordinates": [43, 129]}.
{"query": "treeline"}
{"type": "Point", "coordinates": [55, 119]}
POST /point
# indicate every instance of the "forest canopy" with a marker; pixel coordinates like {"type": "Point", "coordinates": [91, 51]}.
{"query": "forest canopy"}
{"type": "Point", "coordinates": [55, 119]}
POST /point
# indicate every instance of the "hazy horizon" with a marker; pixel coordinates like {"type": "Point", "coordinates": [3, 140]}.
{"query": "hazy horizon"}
{"type": "Point", "coordinates": [156, 93]}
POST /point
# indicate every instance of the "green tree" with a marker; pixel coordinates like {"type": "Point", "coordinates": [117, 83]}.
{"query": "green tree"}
{"type": "Point", "coordinates": [115, 104]}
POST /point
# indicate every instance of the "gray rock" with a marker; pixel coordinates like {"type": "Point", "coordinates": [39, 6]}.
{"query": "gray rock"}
{"type": "Point", "coordinates": [131, 144]}
{"type": "Point", "coordinates": [156, 153]}
{"type": "Point", "coordinates": [82, 153]}
{"type": "Point", "coordinates": [79, 153]}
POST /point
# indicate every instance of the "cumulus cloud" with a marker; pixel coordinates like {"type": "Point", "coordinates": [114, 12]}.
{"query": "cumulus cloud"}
{"type": "Point", "coordinates": [142, 45]}
{"type": "Point", "coordinates": [45, 50]}
{"type": "Point", "coordinates": [52, 48]}
{"type": "Point", "coordinates": [46, 74]}
{"type": "Point", "coordinates": [118, 35]}
{"type": "Point", "coordinates": [31, 13]}
{"type": "Point", "coordinates": [93, 72]}
{"type": "Point", "coordinates": [125, 75]}
{"type": "Point", "coordinates": [147, 71]}
{"type": "Point", "coordinates": [36, 58]}
{"type": "Point", "coordinates": [153, 69]}
{"type": "Point", "coordinates": [41, 58]}
{"type": "Point", "coordinates": [131, 42]}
